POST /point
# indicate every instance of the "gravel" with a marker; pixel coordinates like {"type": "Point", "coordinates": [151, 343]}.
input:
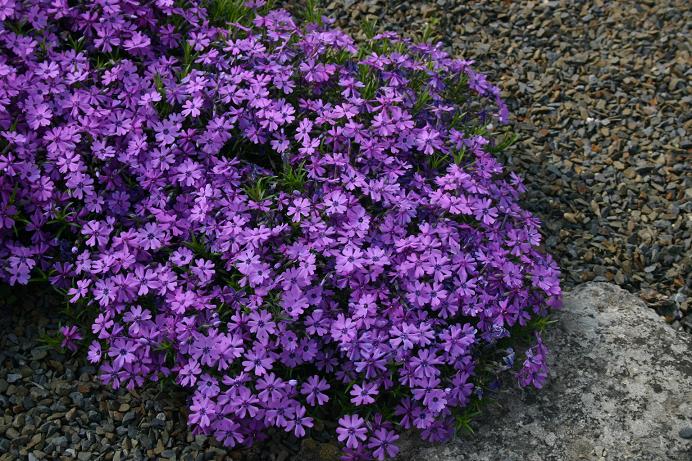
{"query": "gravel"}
{"type": "Point", "coordinates": [599, 92]}
{"type": "Point", "coordinates": [52, 406]}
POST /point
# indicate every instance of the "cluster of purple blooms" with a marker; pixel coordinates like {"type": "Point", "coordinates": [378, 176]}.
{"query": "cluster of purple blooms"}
{"type": "Point", "coordinates": [291, 226]}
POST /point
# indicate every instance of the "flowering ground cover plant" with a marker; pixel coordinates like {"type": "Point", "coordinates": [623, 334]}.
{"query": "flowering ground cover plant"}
{"type": "Point", "coordinates": [291, 226]}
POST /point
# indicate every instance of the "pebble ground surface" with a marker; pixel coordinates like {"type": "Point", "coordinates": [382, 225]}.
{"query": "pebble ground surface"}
{"type": "Point", "coordinates": [600, 95]}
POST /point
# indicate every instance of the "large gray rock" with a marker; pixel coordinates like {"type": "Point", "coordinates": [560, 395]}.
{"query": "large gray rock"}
{"type": "Point", "coordinates": [620, 389]}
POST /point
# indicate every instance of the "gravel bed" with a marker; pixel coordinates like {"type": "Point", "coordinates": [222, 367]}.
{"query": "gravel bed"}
{"type": "Point", "coordinates": [52, 407]}
{"type": "Point", "coordinates": [599, 92]}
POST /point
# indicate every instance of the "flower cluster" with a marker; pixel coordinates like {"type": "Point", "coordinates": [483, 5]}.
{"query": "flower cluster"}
{"type": "Point", "coordinates": [291, 226]}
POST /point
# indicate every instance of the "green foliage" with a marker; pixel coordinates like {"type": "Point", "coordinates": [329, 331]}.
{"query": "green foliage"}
{"type": "Point", "coordinates": [77, 44]}
{"type": "Point", "coordinates": [259, 191]}
{"type": "Point", "coordinates": [423, 98]}
{"type": "Point", "coordinates": [438, 160]}
{"type": "Point", "coordinates": [457, 89]}
{"type": "Point", "coordinates": [429, 33]}
{"type": "Point", "coordinates": [370, 79]}
{"type": "Point", "coordinates": [312, 13]}
{"type": "Point", "coordinates": [187, 60]}
{"type": "Point", "coordinates": [293, 178]}
{"type": "Point", "coordinates": [464, 417]}
{"type": "Point", "coordinates": [369, 28]}
{"type": "Point", "coordinates": [508, 140]}
{"type": "Point", "coordinates": [52, 341]}
{"type": "Point", "coordinates": [222, 12]}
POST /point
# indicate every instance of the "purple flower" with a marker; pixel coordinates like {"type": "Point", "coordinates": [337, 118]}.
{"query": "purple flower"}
{"type": "Point", "coordinates": [351, 430]}
{"type": "Point", "coordinates": [202, 412]}
{"type": "Point", "coordinates": [271, 388]}
{"type": "Point", "coordinates": [261, 324]}
{"type": "Point", "coordinates": [343, 329]}
{"type": "Point", "coordinates": [534, 370]}
{"type": "Point", "coordinates": [122, 353]}
{"type": "Point", "coordinates": [350, 259]}
{"type": "Point", "coordinates": [382, 442]}
{"type": "Point", "coordinates": [313, 389]}
{"type": "Point", "coordinates": [257, 361]}
{"type": "Point", "coordinates": [70, 336]}
{"type": "Point", "coordinates": [187, 376]}
{"type": "Point", "coordinates": [363, 395]}
{"type": "Point", "coordinates": [267, 213]}
{"type": "Point", "coordinates": [94, 354]}
{"type": "Point", "coordinates": [424, 363]}
{"type": "Point", "coordinates": [244, 403]}
{"type": "Point", "coordinates": [297, 422]}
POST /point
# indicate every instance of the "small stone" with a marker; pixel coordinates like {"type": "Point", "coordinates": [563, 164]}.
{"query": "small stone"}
{"type": "Point", "coordinates": [630, 173]}
{"type": "Point", "coordinates": [129, 416]}
{"type": "Point", "coordinates": [159, 447]}
{"type": "Point", "coordinates": [13, 377]}
{"type": "Point", "coordinates": [56, 365]}
{"type": "Point", "coordinates": [571, 217]}
{"type": "Point", "coordinates": [19, 421]}
{"type": "Point", "coordinates": [312, 449]}
{"type": "Point", "coordinates": [12, 433]}
{"type": "Point", "coordinates": [70, 415]}
{"type": "Point", "coordinates": [686, 432]}
{"type": "Point", "coordinates": [34, 441]}
{"type": "Point", "coordinates": [60, 441]}
{"type": "Point", "coordinates": [39, 354]}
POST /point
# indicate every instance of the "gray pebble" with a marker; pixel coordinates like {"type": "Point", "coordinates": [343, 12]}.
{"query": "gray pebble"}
{"type": "Point", "coordinates": [38, 354]}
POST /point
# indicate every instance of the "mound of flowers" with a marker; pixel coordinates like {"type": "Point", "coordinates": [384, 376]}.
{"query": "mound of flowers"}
{"type": "Point", "coordinates": [294, 227]}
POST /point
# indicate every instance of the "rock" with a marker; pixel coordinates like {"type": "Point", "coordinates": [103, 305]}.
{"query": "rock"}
{"type": "Point", "coordinates": [686, 432]}
{"type": "Point", "coordinates": [620, 389]}
{"type": "Point", "coordinates": [129, 416]}
{"type": "Point", "coordinates": [39, 354]}
{"type": "Point", "coordinates": [35, 440]}
{"type": "Point", "coordinates": [318, 451]}
{"type": "Point", "coordinates": [11, 433]}
{"type": "Point", "coordinates": [13, 377]}
{"type": "Point", "coordinates": [77, 398]}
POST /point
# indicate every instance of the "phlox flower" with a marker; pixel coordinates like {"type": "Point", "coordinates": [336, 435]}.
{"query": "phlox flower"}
{"type": "Point", "coordinates": [351, 430]}
{"type": "Point", "coordinates": [71, 336]}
